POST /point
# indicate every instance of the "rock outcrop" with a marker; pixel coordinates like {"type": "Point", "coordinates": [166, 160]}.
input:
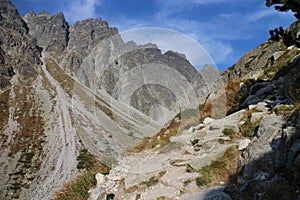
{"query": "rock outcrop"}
{"type": "Point", "coordinates": [51, 32]}
{"type": "Point", "coordinates": [18, 52]}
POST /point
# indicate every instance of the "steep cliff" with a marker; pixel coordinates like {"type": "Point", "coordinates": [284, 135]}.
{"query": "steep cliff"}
{"type": "Point", "coordinates": [16, 44]}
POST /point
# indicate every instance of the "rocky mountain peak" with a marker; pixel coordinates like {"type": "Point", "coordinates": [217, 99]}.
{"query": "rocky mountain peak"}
{"type": "Point", "coordinates": [8, 12]}
{"type": "Point", "coordinates": [87, 33]}
{"type": "Point", "coordinates": [51, 32]}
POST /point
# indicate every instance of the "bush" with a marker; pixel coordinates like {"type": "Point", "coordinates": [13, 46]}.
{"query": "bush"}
{"type": "Point", "coordinates": [200, 181]}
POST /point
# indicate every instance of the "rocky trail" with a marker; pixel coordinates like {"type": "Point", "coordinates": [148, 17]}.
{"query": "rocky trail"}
{"type": "Point", "coordinates": [166, 172]}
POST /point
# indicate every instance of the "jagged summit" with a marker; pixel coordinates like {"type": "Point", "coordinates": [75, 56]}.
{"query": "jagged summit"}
{"type": "Point", "coordinates": [76, 100]}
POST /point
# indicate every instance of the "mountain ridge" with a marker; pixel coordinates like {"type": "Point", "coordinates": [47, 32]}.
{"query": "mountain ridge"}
{"type": "Point", "coordinates": [165, 130]}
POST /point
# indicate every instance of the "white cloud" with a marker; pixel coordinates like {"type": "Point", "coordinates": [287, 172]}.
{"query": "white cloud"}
{"type": "Point", "coordinates": [80, 9]}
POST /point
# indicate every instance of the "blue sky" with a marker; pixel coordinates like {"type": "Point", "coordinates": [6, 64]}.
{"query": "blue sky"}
{"type": "Point", "coordinates": [226, 29]}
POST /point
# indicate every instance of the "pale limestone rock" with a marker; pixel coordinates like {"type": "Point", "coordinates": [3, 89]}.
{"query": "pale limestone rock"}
{"type": "Point", "coordinates": [208, 120]}
{"type": "Point", "coordinates": [256, 116]}
{"type": "Point", "coordinates": [97, 193]}
{"type": "Point", "coordinates": [100, 178]}
{"type": "Point", "coordinates": [243, 144]}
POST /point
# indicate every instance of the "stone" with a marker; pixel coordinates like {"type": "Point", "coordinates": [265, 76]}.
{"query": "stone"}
{"type": "Point", "coordinates": [199, 126]}
{"type": "Point", "coordinates": [98, 193]}
{"type": "Point", "coordinates": [191, 129]}
{"type": "Point", "coordinates": [210, 193]}
{"type": "Point", "coordinates": [243, 144]}
{"type": "Point", "coordinates": [277, 54]}
{"type": "Point", "coordinates": [208, 120]}
{"type": "Point", "coordinates": [100, 178]}
{"type": "Point", "coordinates": [262, 176]}
{"type": "Point", "coordinates": [256, 116]}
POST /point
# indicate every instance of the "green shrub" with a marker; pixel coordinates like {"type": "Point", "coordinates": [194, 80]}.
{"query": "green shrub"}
{"type": "Point", "coordinates": [200, 181]}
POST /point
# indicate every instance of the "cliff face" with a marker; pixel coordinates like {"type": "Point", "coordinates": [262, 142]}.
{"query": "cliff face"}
{"type": "Point", "coordinates": [15, 44]}
{"type": "Point", "coordinates": [50, 32]}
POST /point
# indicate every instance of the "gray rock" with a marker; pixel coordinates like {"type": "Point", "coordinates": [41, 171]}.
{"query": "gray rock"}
{"type": "Point", "coordinates": [243, 144]}
{"type": "Point", "coordinates": [18, 51]}
{"type": "Point", "coordinates": [208, 120]}
{"type": "Point", "coordinates": [98, 193]}
{"type": "Point", "coordinates": [256, 116]}
{"type": "Point", "coordinates": [51, 32]}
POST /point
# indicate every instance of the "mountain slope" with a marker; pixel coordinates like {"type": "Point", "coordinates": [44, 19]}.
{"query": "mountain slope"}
{"type": "Point", "coordinates": [52, 105]}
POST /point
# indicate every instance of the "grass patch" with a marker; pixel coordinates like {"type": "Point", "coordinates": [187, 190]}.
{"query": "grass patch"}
{"type": "Point", "coordinates": [283, 109]}
{"type": "Point", "coordinates": [87, 161]}
{"type": "Point", "coordinates": [249, 129]}
{"type": "Point", "coordinates": [152, 181]}
{"type": "Point", "coordinates": [200, 181]}
{"type": "Point", "coordinates": [233, 97]}
{"type": "Point", "coordinates": [78, 188]}
{"type": "Point", "coordinates": [4, 108]}
{"type": "Point", "coordinates": [219, 170]}
{"type": "Point", "coordinates": [282, 62]}
{"type": "Point", "coordinates": [161, 198]}
{"type": "Point", "coordinates": [230, 133]}
{"type": "Point", "coordinates": [159, 140]}
{"type": "Point", "coordinates": [232, 67]}
{"type": "Point", "coordinates": [95, 166]}
{"type": "Point", "coordinates": [188, 113]}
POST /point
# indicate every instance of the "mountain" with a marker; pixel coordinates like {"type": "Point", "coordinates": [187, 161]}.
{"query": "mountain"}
{"type": "Point", "coordinates": [77, 101]}
{"type": "Point", "coordinates": [61, 93]}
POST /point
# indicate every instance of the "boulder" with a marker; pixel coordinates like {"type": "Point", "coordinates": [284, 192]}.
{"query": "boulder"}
{"type": "Point", "coordinates": [100, 178]}
{"type": "Point", "coordinates": [208, 120]}
{"type": "Point", "coordinates": [243, 144]}
{"type": "Point", "coordinates": [98, 193]}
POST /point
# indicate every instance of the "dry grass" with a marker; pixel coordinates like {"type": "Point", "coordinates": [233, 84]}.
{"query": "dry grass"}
{"type": "Point", "coordinates": [249, 129]}
{"type": "Point", "coordinates": [159, 140]}
{"type": "Point", "coordinates": [205, 111]}
{"type": "Point", "coordinates": [233, 98]}
{"type": "Point", "coordinates": [60, 76]}
{"type": "Point", "coordinates": [78, 188]}
{"type": "Point", "coordinates": [281, 63]}
{"type": "Point", "coordinates": [29, 116]}
{"type": "Point", "coordinates": [28, 139]}
{"type": "Point", "coordinates": [219, 170]}
{"type": "Point", "coordinates": [4, 108]}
